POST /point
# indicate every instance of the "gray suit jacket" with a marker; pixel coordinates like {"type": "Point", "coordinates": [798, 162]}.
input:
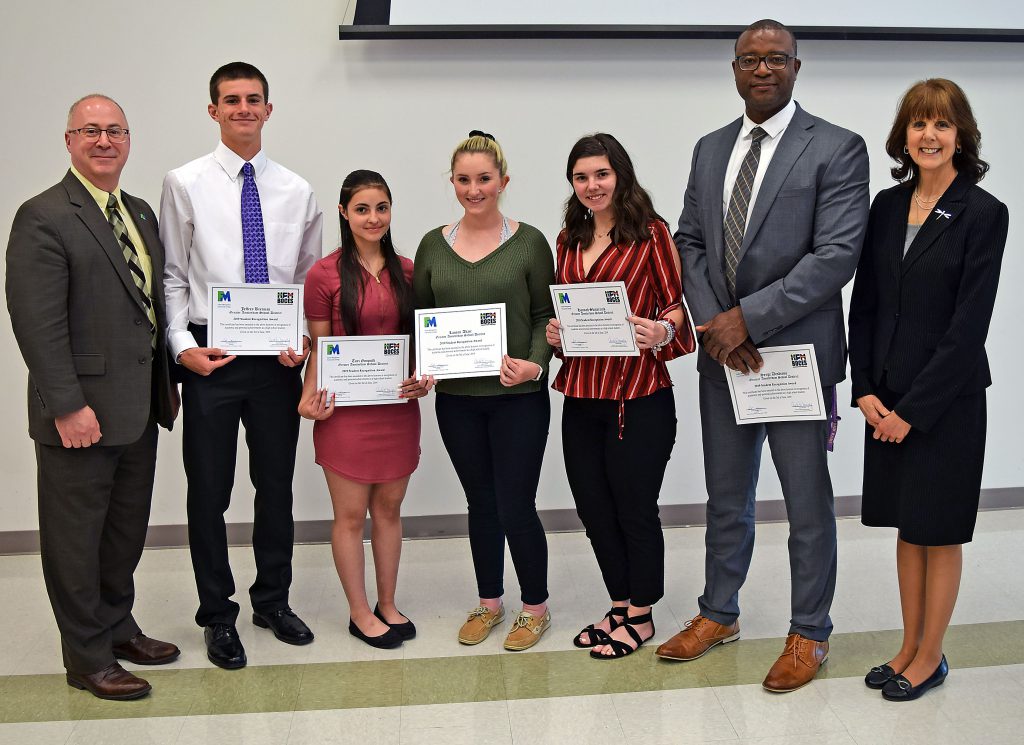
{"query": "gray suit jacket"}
{"type": "Point", "coordinates": [802, 242]}
{"type": "Point", "coordinates": [78, 317]}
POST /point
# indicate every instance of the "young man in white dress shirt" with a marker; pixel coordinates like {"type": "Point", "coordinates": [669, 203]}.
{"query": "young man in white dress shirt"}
{"type": "Point", "coordinates": [236, 216]}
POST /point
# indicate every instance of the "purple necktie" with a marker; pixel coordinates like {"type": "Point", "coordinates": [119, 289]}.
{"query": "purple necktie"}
{"type": "Point", "coordinates": [254, 243]}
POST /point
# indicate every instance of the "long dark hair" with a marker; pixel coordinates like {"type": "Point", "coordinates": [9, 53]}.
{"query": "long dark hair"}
{"type": "Point", "coordinates": [634, 209]}
{"type": "Point", "coordinates": [353, 281]}
{"type": "Point", "coordinates": [936, 98]}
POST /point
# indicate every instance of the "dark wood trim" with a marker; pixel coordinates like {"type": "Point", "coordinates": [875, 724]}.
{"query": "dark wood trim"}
{"type": "Point", "coordinates": [375, 32]}
{"type": "Point", "coordinates": [455, 525]}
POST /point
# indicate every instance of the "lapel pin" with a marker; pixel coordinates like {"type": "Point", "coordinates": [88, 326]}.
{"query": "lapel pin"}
{"type": "Point", "coordinates": [142, 216]}
{"type": "Point", "coordinates": [946, 215]}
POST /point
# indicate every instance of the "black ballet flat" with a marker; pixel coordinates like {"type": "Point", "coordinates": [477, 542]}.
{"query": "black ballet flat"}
{"type": "Point", "coordinates": [388, 640]}
{"type": "Point", "coordinates": [901, 689]}
{"type": "Point", "coordinates": [877, 677]}
{"type": "Point", "coordinates": [406, 629]}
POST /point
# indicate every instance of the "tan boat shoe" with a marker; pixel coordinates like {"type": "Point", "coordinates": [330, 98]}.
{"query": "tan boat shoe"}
{"type": "Point", "coordinates": [527, 630]}
{"type": "Point", "coordinates": [479, 623]}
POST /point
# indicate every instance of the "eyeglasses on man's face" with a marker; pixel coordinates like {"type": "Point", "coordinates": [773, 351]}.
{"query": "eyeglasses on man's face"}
{"type": "Point", "coordinates": [92, 134]}
{"type": "Point", "coordinates": [774, 61]}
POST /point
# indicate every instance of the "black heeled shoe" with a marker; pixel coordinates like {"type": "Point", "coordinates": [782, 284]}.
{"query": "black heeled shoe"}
{"type": "Point", "coordinates": [877, 677]}
{"type": "Point", "coordinates": [406, 629]}
{"type": "Point", "coordinates": [901, 689]}
{"type": "Point", "coordinates": [616, 617]}
{"type": "Point", "coordinates": [622, 649]}
{"type": "Point", "coordinates": [388, 640]}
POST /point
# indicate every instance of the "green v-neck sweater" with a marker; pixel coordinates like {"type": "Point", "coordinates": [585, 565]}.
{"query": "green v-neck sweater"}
{"type": "Point", "coordinates": [517, 273]}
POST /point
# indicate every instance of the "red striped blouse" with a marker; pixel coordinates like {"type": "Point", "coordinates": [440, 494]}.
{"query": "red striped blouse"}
{"type": "Point", "coordinates": [654, 289]}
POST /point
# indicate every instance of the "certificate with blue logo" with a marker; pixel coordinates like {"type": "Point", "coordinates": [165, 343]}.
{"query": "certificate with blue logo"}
{"type": "Point", "coordinates": [465, 341]}
{"type": "Point", "coordinates": [592, 317]}
{"type": "Point", "coordinates": [363, 370]}
{"type": "Point", "coordinates": [786, 389]}
{"type": "Point", "coordinates": [251, 319]}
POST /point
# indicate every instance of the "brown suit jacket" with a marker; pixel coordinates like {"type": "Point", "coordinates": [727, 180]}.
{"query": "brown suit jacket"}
{"type": "Point", "coordinates": [78, 318]}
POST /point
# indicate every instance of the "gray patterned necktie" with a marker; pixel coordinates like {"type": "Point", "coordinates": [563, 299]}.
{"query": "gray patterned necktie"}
{"type": "Point", "coordinates": [739, 202]}
{"type": "Point", "coordinates": [131, 255]}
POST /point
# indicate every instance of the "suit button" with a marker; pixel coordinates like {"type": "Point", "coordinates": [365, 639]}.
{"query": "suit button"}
{"type": "Point", "coordinates": [142, 360]}
{"type": "Point", "coordinates": [896, 317]}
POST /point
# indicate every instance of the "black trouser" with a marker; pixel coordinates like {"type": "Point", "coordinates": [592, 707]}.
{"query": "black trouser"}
{"type": "Point", "coordinates": [263, 395]}
{"type": "Point", "coordinates": [496, 444]}
{"type": "Point", "coordinates": [616, 484]}
{"type": "Point", "coordinates": [93, 513]}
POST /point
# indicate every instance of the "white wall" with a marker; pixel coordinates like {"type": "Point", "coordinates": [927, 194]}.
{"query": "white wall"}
{"type": "Point", "coordinates": [399, 108]}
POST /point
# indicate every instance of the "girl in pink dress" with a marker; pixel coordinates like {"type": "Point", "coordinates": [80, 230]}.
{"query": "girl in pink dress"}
{"type": "Point", "coordinates": [368, 453]}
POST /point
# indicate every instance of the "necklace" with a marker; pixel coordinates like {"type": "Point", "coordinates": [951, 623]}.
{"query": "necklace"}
{"type": "Point", "coordinates": [374, 274]}
{"type": "Point", "coordinates": [605, 234]}
{"type": "Point", "coordinates": [922, 203]}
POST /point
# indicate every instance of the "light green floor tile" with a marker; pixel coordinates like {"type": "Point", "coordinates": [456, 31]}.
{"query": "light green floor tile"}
{"type": "Point", "coordinates": [350, 685]}
{"type": "Point", "coordinates": [449, 680]}
{"type": "Point", "coordinates": [474, 678]}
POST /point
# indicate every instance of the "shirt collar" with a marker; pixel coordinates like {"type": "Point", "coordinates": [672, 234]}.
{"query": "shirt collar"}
{"type": "Point", "coordinates": [101, 197]}
{"type": "Point", "coordinates": [232, 162]}
{"type": "Point", "coordinates": [774, 126]}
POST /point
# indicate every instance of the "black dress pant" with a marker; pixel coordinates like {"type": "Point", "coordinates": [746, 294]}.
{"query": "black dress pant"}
{"type": "Point", "coordinates": [93, 513]}
{"type": "Point", "coordinates": [496, 444]}
{"type": "Point", "coordinates": [616, 483]}
{"type": "Point", "coordinates": [263, 395]}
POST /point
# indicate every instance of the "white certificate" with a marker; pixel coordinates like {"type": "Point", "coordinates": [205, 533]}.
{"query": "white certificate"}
{"type": "Point", "coordinates": [466, 341]}
{"type": "Point", "coordinates": [362, 370]}
{"type": "Point", "coordinates": [592, 316]}
{"type": "Point", "coordinates": [255, 319]}
{"type": "Point", "coordinates": [787, 389]}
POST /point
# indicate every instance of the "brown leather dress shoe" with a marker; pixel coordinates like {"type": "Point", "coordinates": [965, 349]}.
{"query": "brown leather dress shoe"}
{"type": "Point", "coordinates": [112, 682]}
{"type": "Point", "coordinates": [142, 650]}
{"type": "Point", "coordinates": [699, 634]}
{"type": "Point", "coordinates": [797, 665]}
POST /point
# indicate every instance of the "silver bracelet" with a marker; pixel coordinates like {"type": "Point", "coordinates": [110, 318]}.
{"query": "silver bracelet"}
{"type": "Point", "coordinates": [671, 329]}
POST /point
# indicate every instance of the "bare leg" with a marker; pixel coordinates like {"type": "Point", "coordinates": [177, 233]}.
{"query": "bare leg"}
{"type": "Point", "coordinates": [350, 500]}
{"type": "Point", "coordinates": [386, 542]}
{"type": "Point", "coordinates": [911, 569]}
{"type": "Point", "coordinates": [942, 585]}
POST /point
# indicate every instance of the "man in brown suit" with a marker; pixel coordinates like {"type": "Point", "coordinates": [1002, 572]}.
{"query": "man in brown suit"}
{"type": "Point", "coordinates": [84, 290]}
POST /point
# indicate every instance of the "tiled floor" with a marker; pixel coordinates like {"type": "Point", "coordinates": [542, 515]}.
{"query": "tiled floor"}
{"type": "Point", "coordinates": [338, 690]}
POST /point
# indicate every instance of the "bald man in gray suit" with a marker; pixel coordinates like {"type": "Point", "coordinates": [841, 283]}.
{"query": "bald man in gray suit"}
{"type": "Point", "coordinates": [771, 230]}
{"type": "Point", "coordinates": [84, 289]}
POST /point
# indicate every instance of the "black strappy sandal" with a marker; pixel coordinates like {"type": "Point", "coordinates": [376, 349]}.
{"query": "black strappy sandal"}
{"type": "Point", "coordinates": [621, 649]}
{"type": "Point", "coordinates": [615, 618]}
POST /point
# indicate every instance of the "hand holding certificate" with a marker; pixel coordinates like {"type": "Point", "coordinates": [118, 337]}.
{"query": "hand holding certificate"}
{"type": "Point", "coordinates": [593, 320]}
{"type": "Point", "coordinates": [252, 319]}
{"type": "Point", "coordinates": [465, 341]}
{"type": "Point", "coordinates": [786, 389]}
{"type": "Point", "coordinates": [363, 370]}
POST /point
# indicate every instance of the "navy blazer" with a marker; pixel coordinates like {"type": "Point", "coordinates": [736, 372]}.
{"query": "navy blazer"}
{"type": "Point", "coordinates": [921, 320]}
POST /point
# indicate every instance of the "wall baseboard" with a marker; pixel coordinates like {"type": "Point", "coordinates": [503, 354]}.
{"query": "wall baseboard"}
{"type": "Point", "coordinates": [454, 526]}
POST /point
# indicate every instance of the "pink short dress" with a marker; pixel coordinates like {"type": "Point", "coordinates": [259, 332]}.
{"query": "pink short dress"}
{"type": "Point", "coordinates": [367, 444]}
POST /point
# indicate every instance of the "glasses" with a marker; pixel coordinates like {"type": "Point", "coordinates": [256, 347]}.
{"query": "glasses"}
{"type": "Point", "coordinates": [775, 61]}
{"type": "Point", "coordinates": [92, 134]}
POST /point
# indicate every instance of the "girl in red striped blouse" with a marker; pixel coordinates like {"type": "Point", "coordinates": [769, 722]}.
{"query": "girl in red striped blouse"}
{"type": "Point", "coordinates": [618, 419]}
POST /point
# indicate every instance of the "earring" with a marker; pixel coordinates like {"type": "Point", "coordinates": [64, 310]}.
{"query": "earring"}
{"type": "Point", "coordinates": [905, 151]}
{"type": "Point", "coordinates": [958, 150]}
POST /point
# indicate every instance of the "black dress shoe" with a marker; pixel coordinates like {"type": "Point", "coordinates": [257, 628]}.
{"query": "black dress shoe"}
{"type": "Point", "coordinates": [287, 627]}
{"type": "Point", "coordinates": [900, 689]}
{"type": "Point", "coordinates": [223, 647]}
{"type": "Point", "coordinates": [406, 629]}
{"type": "Point", "coordinates": [877, 677]}
{"type": "Point", "coordinates": [388, 640]}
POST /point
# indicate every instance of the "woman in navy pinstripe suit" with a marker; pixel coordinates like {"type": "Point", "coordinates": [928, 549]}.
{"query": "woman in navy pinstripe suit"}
{"type": "Point", "coordinates": [922, 302]}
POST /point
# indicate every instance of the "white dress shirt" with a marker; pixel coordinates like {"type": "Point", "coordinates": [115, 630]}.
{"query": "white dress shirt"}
{"type": "Point", "coordinates": [201, 229]}
{"type": "Point", "coordinates": [774, 127]}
